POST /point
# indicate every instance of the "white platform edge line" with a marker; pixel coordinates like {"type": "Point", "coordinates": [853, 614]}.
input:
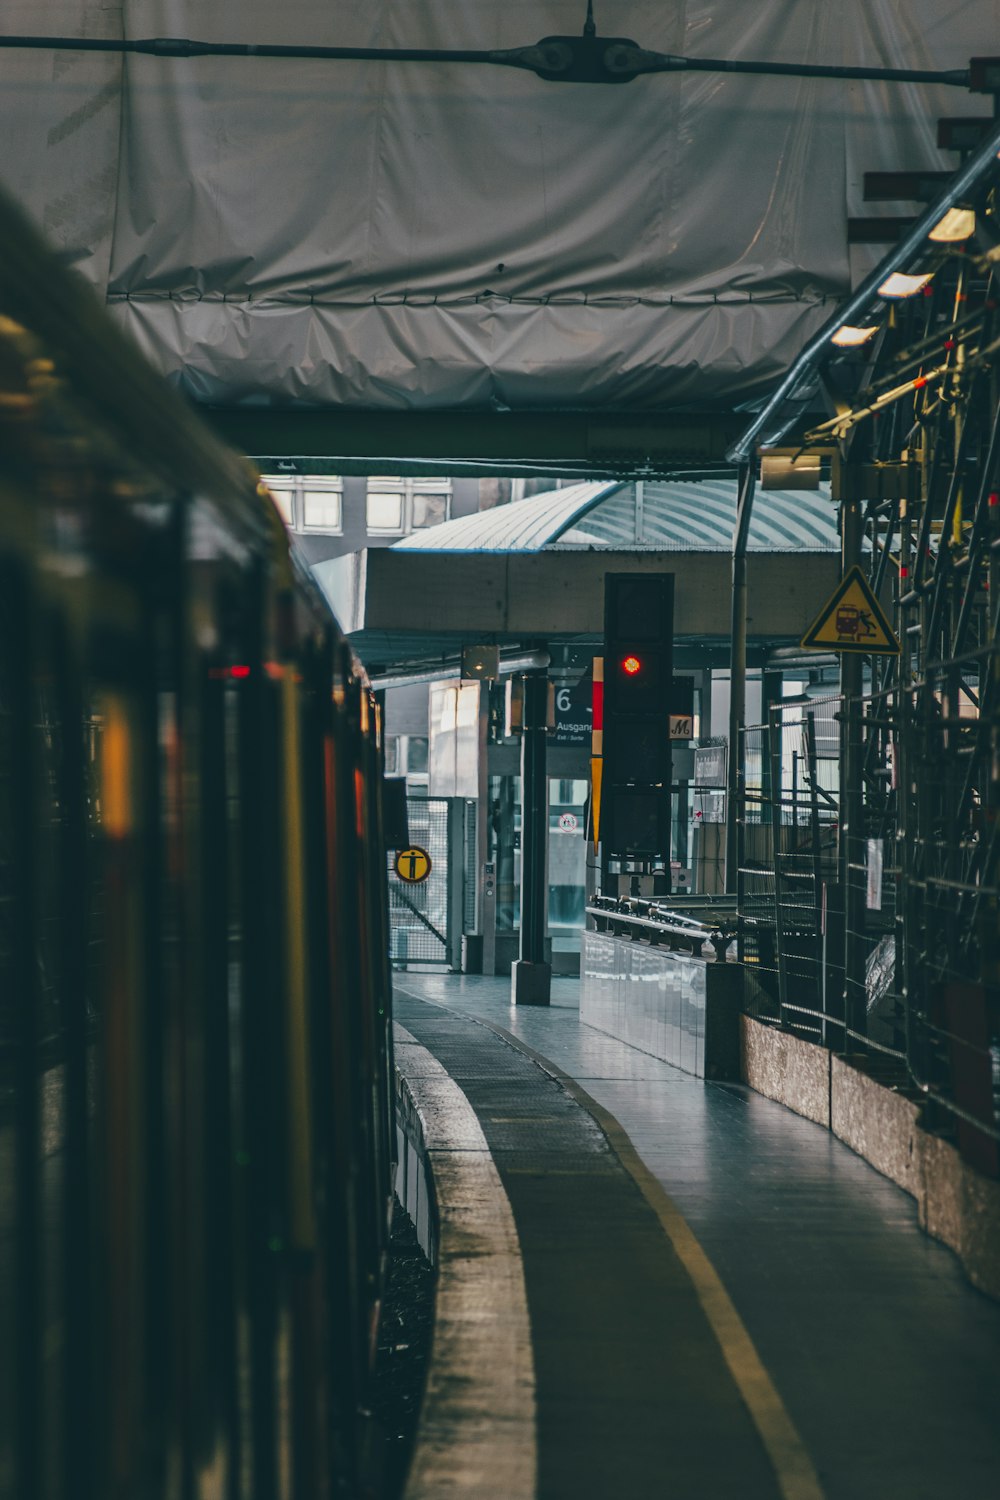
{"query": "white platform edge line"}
{"type": "Point", "coordinates": [477, 1431]}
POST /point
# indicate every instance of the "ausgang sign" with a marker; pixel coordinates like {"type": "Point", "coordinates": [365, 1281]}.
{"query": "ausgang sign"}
{"type": "Point", "coordinates": [573, 712]}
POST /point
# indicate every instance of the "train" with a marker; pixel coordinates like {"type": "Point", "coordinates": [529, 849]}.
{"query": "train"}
{"type": "Point", "coordinates": [196, 1138]}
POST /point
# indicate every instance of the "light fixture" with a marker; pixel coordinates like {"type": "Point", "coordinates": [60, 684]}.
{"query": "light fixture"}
{"type": "Point", "coordinates": [790, 471]}
{"type": "Point", "coordinates": [899, 284]}
{"type": "Point", "coordinates": [480, 663]}
{"type": "Point", "coordinates": [956, 225]}
{"type": "Point", "coordinates": [847, 337]}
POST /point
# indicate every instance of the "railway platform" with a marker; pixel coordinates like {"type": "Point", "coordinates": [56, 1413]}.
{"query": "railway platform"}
{"type": "Point", "coordinates": [719, 1298]}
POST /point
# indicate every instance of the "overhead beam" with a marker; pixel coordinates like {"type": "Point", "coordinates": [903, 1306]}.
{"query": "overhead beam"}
{"type": "Point", "coordinates": [501, 596]}
{"type": "Point", "coordinates": [593, 444]}
{"type": "Point", "coordinates": [878, 231]}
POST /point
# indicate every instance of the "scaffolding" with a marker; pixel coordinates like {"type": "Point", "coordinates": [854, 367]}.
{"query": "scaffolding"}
{"type": "Point", "coordinates": [867, 836]}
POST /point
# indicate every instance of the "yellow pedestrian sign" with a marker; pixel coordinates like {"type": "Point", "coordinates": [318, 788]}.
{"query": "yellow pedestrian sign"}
{"type": "Point", "coordinates": [852, 620]}
{"type": "Point", "coordinates": [412, 865]}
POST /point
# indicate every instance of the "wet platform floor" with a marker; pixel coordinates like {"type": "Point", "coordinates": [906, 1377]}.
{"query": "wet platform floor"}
{"type": "Point", "coordinates": [883, 1358]}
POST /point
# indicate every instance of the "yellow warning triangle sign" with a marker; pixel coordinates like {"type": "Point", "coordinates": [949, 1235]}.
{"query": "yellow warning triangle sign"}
{"type": "Point", "coordinates": [852, 620]}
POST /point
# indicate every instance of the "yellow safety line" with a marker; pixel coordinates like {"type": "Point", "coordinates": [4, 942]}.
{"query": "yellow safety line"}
{"type": "Point", "coordinates": [797, 1479]}
{"type": "Point", "coordinates": [796, 1476]}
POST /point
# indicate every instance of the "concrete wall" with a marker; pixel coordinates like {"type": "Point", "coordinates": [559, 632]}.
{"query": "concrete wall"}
{"type": "Point", "coordinates": [562, 593]}
{"type": "Point", "coordinates": [955, 1203]}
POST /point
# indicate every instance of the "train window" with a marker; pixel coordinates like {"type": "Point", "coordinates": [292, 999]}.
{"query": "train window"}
{"type": "Point", "coordinates": [322, 510]}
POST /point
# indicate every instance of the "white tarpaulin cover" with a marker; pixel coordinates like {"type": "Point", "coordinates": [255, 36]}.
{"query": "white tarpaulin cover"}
{"type": "Point", "coordinates": [421, 235]}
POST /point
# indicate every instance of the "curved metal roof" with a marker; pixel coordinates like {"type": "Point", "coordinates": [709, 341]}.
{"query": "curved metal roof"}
{"type": "Point", "coordinates": [675, 515]}
{"type": "Point", "coordinates": [525, 526]}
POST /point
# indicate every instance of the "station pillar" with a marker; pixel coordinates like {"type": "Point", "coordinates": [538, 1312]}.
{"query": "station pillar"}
{"type": "Point", "coordinates": [531, 976]}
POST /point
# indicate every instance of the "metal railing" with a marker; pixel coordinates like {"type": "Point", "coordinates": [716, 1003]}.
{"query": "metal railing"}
{"type": "Point", "coordinates": [868, 855]}
{"type": "Point", "coordinates": [885, 941]}
{"type": "Point", "coordinates": [709, 935]}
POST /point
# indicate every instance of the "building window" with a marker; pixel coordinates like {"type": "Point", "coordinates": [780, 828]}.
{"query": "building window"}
{"type": "Point", "coordinates": [397, 505]}
{"type": "Point", "coordinates": [428, 509]}
{"type": "Point", "coordinates": [322, 509]}
{"type": "Point", "coordinates": [284, 499]}
{"type": "Point", "coordinates": [385, 510]}
{"type": "Point", "coordinates": [416, 754]}
{"type": "Point", "coordinates": [309, 503]}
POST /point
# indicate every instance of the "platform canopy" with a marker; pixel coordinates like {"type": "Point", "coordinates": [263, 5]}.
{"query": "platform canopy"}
{"type": "Point", "coordinates": [402, 605]}
{"type": "Point", "coordinates": [418, 236]}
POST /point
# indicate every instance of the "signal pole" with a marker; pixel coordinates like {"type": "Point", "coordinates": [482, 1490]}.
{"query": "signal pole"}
{"type": "Point", "coordinates": [531, 976]}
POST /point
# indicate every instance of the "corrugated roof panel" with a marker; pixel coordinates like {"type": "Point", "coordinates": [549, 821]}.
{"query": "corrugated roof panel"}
{"type": "Point", "coordinates": [697, 516]}
{"type": "Point", "coordinates": [688, 515]}
{"type": "Point", "coordinates": [608, 523]}
{"type": "Point", "coordinates": [809, 514]}
{"type": "Point", "coordinates": [525, 526]}
{"type": "Point", "coordinates": [700, 515]}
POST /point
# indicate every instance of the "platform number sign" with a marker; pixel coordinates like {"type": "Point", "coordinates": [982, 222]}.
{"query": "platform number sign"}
{"type": "Point", "coordinates": [412, 865]}
{"type": "Point", "coordinates": [573, 711]}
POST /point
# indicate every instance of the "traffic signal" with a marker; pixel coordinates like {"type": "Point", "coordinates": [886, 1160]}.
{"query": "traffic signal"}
{"type": "Point", "coordinates": [638, 671]}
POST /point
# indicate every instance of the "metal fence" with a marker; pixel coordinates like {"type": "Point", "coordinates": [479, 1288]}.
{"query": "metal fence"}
{"type": "Point", "coordinates": [868, 825]}
{"type": "Point", "coordinates": [788, 865]}
{"type": "Point", "coordinates": [419, 914]}
{"type": "Point", "coordinates": [470, 877]}
{"type": "Point", "coordinates": [871, 921]}
{"type": "Point", "coordinates": [885, 940]}
{"type": "Point", "coordinates": [793, 850]}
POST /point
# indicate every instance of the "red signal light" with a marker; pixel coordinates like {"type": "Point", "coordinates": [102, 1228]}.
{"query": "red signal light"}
{"type": "Point", "coordinates": [631, 665]}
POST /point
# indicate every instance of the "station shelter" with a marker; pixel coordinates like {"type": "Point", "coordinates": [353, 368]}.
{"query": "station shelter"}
{"type": "Point", "coordinates": [528, 579]}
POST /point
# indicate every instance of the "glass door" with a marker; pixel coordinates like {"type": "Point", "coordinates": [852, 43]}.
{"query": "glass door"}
{"type": "Point", "coordinates": [567, 863]}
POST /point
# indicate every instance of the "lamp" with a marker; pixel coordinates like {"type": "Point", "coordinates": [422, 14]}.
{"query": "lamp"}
{"type": "Point", "coordinates": [956, 225]}
{"type": "Point", "coordinates": [847, 337]}
{"type": "Point", "coordinates": [899, 284]}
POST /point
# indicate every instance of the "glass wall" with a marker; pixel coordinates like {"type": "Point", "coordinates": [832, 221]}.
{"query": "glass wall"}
{"type": "Point", "coordinates": [504, 834]}
{"type": "Point", "coordinates": [567, 863]}
{"type": "Point", "coordinates": [567, 856]}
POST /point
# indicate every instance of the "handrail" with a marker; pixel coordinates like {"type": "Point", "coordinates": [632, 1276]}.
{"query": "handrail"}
{"type": "Point", "coordinates": [687, 931]}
